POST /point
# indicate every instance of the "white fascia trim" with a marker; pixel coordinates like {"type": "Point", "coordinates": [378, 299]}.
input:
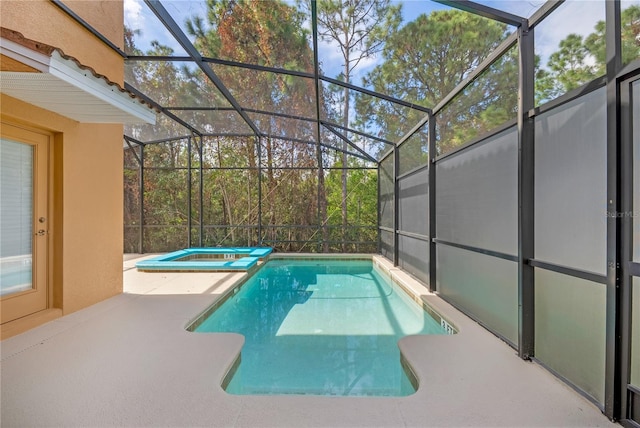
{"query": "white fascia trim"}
{"type": "Point", "coordinates": [68, 71]}
{"type": "Point", "coordinates": [20, 53]}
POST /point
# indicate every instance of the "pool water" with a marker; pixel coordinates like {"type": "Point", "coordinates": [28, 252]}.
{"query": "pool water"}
{"type": "Point", "coordinates": [321, 328]}
{"type": "Point", "coordinates": [15, 275]}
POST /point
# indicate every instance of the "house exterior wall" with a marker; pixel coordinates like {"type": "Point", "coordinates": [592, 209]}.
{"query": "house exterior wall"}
{"type": "Point", "coordinates": [86, 190]}
{"type": "Point", "coordinates": [44, 22]}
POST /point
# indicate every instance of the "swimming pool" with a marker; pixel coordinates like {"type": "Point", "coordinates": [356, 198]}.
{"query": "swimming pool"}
{"type": "Point", "coordinates": [321, 327]}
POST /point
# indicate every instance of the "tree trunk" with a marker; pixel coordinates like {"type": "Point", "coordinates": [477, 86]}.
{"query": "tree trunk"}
{"type": "Point", "coordinates": [345, 146]}
{"type": "Point", "coordinates": [271, 185]}
{"type": "Point", "coordinates": [322, 201]}
{"type": "Point", "coordinates": [226, 205]}
{"type": "Point", "coordinates": [253, 174]}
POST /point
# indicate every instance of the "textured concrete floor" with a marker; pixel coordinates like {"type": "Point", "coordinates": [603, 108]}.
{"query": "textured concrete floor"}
{"type": "Point", "coordinates": [128, 361]}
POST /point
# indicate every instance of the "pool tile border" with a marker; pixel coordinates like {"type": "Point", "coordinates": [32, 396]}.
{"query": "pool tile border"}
{"type": "Point", "coordinates": [169, 262]}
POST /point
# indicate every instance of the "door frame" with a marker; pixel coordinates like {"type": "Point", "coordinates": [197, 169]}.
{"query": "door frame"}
{"type": "Point", "coordinates": [41, 251]}
{"type": "Point", "coordinates": [629, 394]}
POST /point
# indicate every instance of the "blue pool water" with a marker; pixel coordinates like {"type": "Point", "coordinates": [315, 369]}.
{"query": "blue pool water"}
{"type": "Point", "coordinates": [15, 276]}
{"type": "Point", "coordinates": [322, 328]}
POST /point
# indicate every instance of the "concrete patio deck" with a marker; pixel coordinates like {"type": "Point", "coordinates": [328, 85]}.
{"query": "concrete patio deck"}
{"type": "Point", "coordinates": [128, 361]}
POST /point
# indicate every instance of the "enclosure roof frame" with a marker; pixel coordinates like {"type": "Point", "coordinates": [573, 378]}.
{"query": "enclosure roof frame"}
{"type": "Point", "coordinates": [203, 63]}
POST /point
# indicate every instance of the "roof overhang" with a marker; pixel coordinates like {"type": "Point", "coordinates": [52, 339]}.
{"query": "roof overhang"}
{"type": "Point", "coordinates": [53, 81]}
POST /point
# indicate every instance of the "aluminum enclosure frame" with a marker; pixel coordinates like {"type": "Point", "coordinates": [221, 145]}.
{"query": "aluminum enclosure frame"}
{"type": "Point", "coordinates": [616, 405]}
{"type": "Point", "coordinates": [619, 178]}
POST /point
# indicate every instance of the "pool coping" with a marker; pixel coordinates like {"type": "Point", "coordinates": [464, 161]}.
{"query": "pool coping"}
{"type": "Point", "coordinates": [135, 344]}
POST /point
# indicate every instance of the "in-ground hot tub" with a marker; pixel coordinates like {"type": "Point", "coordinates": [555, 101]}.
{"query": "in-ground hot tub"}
{"type": "Point", "coordinates": [206, 259]}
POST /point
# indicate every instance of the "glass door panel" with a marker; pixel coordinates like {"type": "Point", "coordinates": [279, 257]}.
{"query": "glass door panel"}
{"type": "Point", "coordinates": [635, 333]}
{"type": "Point", "coordinates": [630, 220]}
{"type": "Point", "coordinates": [16, 216]}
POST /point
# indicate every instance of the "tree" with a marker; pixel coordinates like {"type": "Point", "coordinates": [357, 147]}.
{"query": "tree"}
{"type": "Point", "coordinates": [271, 34]}
{"type": "Point", "coordinates": [423, 63]}
{"type": "Point", "coordinates": [630, 37]}
{"type": "Point", "coordinates": [568, 69]}
{"type": "Point", "coordinates": [362, 203]}
{"type": "Point", "coordinates": [359, 28]}
{"type": "Point", "coordinates": [580, 60]}
{"type": "Point", "coordinates": [165, 184]}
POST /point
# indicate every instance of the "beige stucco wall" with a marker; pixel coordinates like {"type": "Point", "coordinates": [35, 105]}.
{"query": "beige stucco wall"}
{"type": "Point", "coordinates": [44, 22]}
{"type": "Point", "coordinates": [93, 205]}
{"type": "Point", "coordinates": [87, 183]}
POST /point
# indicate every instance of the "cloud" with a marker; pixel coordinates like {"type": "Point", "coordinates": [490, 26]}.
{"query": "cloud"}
{"type": "Point", "coordinates": [572, 17]}
{"type": "Point", "coordinates": [138, 17]}
{"type": "Point", "coordinates": [330, 57]}
{"type": "Point", "coordinates": [516, 7]}
{"type": "Point", "coordinates": [133, 17]}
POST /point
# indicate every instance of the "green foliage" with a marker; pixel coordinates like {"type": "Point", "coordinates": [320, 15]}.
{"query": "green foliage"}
{"type": "Point", "coordinates": [359, 28]}
{"type": "Point", "coordinates": [267, 33]}
{"type": "Point", "coordinates": [568, 69]}
{"type": "Point", "coordinates": [362, 185]}
{"type": "Point", "coordinates": [414, 152]}
{"type": "Point", "coordinates": [580, 60]}
{"type": "Point", "coordinates": [630, 36]}
{"type": "Point", "coordinates": [361, 202]}
{"type": "Point", "coordinates": [423, 63]}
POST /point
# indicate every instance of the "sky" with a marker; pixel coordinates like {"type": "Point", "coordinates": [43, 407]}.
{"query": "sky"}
{"type": "Point", "coordinates": [574, 16]}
